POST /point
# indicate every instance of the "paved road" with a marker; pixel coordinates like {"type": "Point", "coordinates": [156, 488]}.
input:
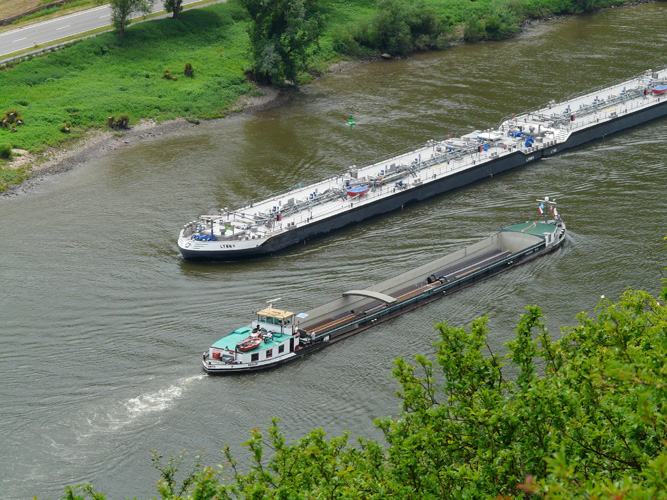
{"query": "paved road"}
{"type": "Point", "coordinates": [61, 27]}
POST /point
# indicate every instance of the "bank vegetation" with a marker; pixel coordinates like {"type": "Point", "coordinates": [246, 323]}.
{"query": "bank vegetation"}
{"type": "Point", "coordinates": [197, 66]}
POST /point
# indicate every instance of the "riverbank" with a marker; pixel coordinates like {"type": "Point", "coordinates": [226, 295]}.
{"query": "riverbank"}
{"type": "Point", "coordinates": [98, 143]}
{"type": "Point", "coordinates": [64, 102]}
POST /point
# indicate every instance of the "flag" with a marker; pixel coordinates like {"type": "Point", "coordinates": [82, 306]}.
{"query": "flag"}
{"type": "Point", "coordinates": [555, 212]}
{"type": "Point", "coordinates": [541, 208]}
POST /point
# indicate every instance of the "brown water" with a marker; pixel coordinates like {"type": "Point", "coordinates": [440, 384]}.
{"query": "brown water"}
{"type": "Point", "coordinates": [103, 324]}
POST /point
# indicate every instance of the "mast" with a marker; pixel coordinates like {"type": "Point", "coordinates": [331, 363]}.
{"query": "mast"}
{"type": "Point", "coordinates": [545, 206]}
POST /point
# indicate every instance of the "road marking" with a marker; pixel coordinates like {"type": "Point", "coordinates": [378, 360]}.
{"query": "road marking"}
{"type": "Point", "coordinates": [19, 39]}
{"type": "Point", "coordinates": [105, 15]}
{"type": "Point", "coordinates": [55, 20]}
{"type": "Point", "coordinates": [63, 27]}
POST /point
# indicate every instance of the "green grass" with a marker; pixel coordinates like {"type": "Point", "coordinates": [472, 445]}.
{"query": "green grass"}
{"type": "Point", "coordinates": [92, 79]}
{"type": "Point", "coordinates": [106, 75]}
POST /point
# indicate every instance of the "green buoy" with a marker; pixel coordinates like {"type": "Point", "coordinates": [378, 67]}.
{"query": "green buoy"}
{"type": "Point", "coordinates": [351, 122]}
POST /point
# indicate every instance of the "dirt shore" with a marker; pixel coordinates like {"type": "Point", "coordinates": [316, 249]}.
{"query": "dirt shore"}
{"type": "Point", "coordinates": [98, 143]}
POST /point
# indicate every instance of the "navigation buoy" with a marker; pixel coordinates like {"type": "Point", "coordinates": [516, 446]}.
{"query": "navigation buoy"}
{"type": "Point", "coordinates": [351, 122]}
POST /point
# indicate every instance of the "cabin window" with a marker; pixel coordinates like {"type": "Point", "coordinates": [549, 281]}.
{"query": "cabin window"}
{"type": "Point", "coordinates": [269, 353]}
{"type": "Point", "coordinates": [281, 348]}
{"type": "Point", "coordinates": [255, 357]}
{"type": "Point", "coordinates": [269, 320]}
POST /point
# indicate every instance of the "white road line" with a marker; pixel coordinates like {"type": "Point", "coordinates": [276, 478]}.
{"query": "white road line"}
{"type": "Point", "coordinates": [56, 19]}
{"type": "Point", "coordinates": [19, 39]}
{"type": "Point", "coordinates": [105, 15]}
{"type": "Point", "coordinates": [63, 27]}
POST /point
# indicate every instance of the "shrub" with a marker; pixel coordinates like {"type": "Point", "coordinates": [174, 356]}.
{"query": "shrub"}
{"type": "Point", "coordinates": [121, 122]}
{"type": "Point", "coordinates": [65, 127]}
{"type": "Point", "coordinates": [11, 119]}
{"type": "Point", "coordinates": [397, 28]}
{"type": "Point", "coordinates": [166, 74]}
{"type": "Point", "coordinates": [189, 72]}
{"type": "Point", "coordinates": [344, 42]}
{"type": "Point", "coordinates": [6, 151]}
{"type": "Point", "coordinates": [473, 30]}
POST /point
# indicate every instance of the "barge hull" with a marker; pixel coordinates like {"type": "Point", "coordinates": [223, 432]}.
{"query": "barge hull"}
{"type": "Point", "coordinates": [486, 169]}
{"type": "Point", "coordinates": [349, 315]}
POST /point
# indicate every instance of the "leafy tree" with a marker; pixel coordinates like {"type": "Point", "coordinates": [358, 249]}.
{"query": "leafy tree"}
{"type": "Point", "coordinates": [283, 34]}
{"type": "Point", "coordinates": [174, 6]}
{"type": "Point", "coordinates": [121, 10]}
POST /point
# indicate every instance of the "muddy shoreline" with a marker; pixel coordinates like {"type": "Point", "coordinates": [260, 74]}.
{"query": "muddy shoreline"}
{"type": "Point", "coordinates": [98, 143]}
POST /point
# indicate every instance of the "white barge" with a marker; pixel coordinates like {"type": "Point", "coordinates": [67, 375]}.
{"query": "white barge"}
{"type": "Point", "coordinates": [269, 225]}
{"type": "Point", "coordinates": [276, 336]}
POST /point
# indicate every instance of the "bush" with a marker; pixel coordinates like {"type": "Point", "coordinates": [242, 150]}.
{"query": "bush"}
{"type": "Point", "coordinates": [189, 71]}
{"type": "Point", "coordinates": [502, 22]}
{"type": "Point", "coordinates": [122, 122]}
{"type": "Point", "coordinates": [6, 151]}
{"type": "Point", "coordinates": [65, 127]}
{"type": "Point", "coordinates": [11, 119]}
{"type": "Point", "coordinates": [397, 28]}
{"type": "Point", "coordinates": [166, 74]}
{"type": "Point", "coordinates": [473, 30]}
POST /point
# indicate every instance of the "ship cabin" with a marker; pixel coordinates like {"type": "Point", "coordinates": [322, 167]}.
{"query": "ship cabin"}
{"type": "Point", "coordinates": [275, 320]}
{"type": "Point", "coordinates": [275, 335]}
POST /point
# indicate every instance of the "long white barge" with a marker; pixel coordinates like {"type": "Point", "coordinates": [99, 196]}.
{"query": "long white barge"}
{"type": "Point", "coordinates": [269, 225]}
{"type": "Point", "coordinates": [276, 336]}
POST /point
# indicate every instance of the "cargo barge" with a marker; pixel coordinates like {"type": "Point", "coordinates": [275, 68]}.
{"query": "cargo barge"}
{"type": "Point", "coordinates": [277, 336]}
{"type": "Point", "coordinates": [267, 226]}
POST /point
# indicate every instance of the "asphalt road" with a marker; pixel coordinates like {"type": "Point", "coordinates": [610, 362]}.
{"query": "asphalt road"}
{"type": "Point", "coordinates": [54, 29]}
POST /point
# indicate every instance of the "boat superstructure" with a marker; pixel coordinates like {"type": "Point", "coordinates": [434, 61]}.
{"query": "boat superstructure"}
{"type": "Point", "coordinates": [285, 336]}
{"type": "Point", "coordinates": [268, 225]}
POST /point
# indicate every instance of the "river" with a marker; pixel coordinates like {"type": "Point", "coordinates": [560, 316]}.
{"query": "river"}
{"type": "Point", "coordinates": [103, 324]}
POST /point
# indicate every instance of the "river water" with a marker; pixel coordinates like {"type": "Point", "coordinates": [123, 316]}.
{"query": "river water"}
{"type": "Point", "coordinates": [103, 324]}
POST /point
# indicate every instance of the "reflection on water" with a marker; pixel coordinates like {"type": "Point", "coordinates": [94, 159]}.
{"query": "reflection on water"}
{"type": "Point", "coordinates": [103, 324]}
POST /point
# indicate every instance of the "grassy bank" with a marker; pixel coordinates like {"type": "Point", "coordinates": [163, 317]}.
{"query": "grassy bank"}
{"type": "Point", "coordinates": [65, 94]}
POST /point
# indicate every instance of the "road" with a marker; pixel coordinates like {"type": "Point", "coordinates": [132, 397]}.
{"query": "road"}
{"type": "Point", "coordinates": [54, 29]}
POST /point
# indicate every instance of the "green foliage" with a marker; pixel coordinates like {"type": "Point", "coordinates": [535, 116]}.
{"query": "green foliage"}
{"type": "Point", "coordinates": [121, 122]}
{"type": "Point", "coordinates": [66, 85]}
{"type": "Point", "coordinates": [283, 36]}
{"type": "Point", "coordinates": [86, 490]}
{"type": "Point", "coordinates": [166, 74]}
{"type": "Point", "coordinates": [473, 30]}
{"type": "Point", "coordinates": [174, 6]}
{"type": "Point", "coordinates": [502, 21]}
{"type": "Point", "coordinates": [168, 484]}
{"type": "Point", "coordinates": [189, 71]}
{"type": "Point", "coordinates": [6, 151]}
{"type": "Point", "coordinates": [397, 27]}
{"type": "Point", "coordinates": [11, 118]}
{"type": "Point", "coordinates": [65, 127]}
{"type": "Point", "coordinates": [121, 10]}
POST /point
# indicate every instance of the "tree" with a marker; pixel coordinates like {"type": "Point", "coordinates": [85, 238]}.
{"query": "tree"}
{"type": "Point", "coordinates": [121, 10]}
{"type": "Point", "coordinates": [174, 6]}
{"type": "Point", "coordinates": [283, 34]}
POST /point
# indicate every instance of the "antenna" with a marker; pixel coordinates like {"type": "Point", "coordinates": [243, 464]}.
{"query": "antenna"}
{"type": "Point", "coordinates": [270, 302]}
